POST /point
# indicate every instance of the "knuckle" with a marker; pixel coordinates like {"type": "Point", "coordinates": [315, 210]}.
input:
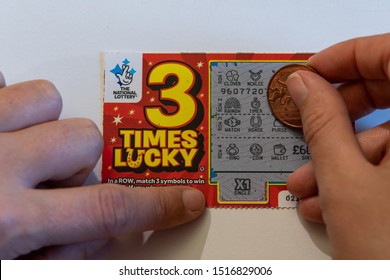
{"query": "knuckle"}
{"type": "Point", "coordinates": [15, 232]}
{"type": "Point", "coordinates": [316, 124]}
{"type": "Point", "coordinates": [121, 213]}
{"type": "Point", "coordinates": [87, 132]}
{"type": "Point", "coordinates": [45, 86]}
{"type": "Point", "coordinates": [159, 210]}
{"type": "Point", "coordinates": [167, 208]}
{"type": "Point", "coordinates": [93, 135]}
{"type": "Point", "coordinates": [50, 92]}
{"type": "Point", "coordinates": [114, 214]}
{"type": "Point", "coordinates": [367, 103]}
{"type": "Point", "coordinates": [88, 126]}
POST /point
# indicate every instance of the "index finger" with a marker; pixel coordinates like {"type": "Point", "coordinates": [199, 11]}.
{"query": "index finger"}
{"type": "Point", "coordinates": [28, 103]}
{"type": "Point", "coordinates": [360, 58]}
{"type": "Point", "coordinates": [67, 216]}
{"type": "Point", "coordinates": [363, 64]}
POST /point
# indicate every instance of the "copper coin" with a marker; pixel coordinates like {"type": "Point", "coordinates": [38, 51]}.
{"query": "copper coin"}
{"type": "Point", "coordinates": [280, 101]}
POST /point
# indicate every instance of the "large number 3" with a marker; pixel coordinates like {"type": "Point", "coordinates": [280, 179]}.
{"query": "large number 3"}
{"type": "Point", "coordinates": [178, 83]}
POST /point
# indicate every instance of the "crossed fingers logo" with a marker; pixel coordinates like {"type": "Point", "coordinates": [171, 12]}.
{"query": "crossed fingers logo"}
{"type": "Point", "coordinates": [123, 74]}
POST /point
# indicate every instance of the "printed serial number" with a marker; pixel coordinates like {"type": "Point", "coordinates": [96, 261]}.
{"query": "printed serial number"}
{"type": "Point", "coordinates": [242, 90]}
{"type": "Point", "coordinates": [241, 270]}
{"type": "Point", "coordinates": [292, 198]}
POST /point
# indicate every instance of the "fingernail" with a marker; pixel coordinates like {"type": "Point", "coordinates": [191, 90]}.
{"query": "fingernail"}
{"type": "Point", "coordinates": [193, 200]}
{"type": "Point", "coordinates": [297, 89]}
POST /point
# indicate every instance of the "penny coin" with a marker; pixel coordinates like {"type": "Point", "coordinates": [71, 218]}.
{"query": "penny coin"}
{"type": "Point", "coordinates": [280, 101]}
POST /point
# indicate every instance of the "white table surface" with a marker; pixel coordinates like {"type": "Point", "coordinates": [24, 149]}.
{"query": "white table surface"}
{"type": "Point", "coordinates": [61, 41]}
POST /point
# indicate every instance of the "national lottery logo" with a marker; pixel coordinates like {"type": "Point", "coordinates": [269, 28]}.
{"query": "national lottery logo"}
{"type": "Point", "coordinates": [125, 77]}
{"type": "Point", "coordinates": [123, 74]}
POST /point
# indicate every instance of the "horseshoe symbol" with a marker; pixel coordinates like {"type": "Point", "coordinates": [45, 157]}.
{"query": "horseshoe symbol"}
{"type": "Point", "coordinates": [256, 121]}
{"type": "Point", "coordinates": [137, 163]}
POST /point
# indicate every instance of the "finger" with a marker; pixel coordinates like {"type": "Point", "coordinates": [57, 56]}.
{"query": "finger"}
{"type": "Point", "coordinates": [63, 216]}
{"type": "Point", "coordinates": [83, 250]}
{"type": "Point", "coordinates": [302, 182]}
{"type": "Point", "coordinates": [366, 62]}
{"type": "Point", "coordinates": [326, 124]}
{"type": "Point", "coordinates": [28, 103]}
{"type": "Point", "coordinates": [125, 68]}
{"type": "Point", "coordinates": [310, 209]}
{"type": "Point", "coordinates": [64, 151]}
{"type": "Point", "coordinates": [2, 80]}
{"type": "Point", "coordinates": [360, 58]}
{"type": "Point", "coordinates": [374, 144]}
{"type": "Point", "coordinates": [385, 163]}
{"type": "Point", "coordinates": [364, 96]}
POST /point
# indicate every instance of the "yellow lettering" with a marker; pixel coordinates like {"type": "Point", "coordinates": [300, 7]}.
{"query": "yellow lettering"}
{"type": "Point", "coordinates": [174, 138]}
{"type": "Point", "coordinates": [118, 158]}
{"type": "Point", "coordinates": [138, 139]}
{"type": "Point", "coordinates": [152, 157]}
{"type": "Point", "coordinates": [186, 106]}
{"type": "Point", "coordinates": [188, 156]}
{"type": "Point", "coordinates": [168, 157]}
{"type": "Point", "coordinates": [189, 139]}
{"type": "Point", "coordinates": [154, 138]}
{"type": "Point", "coordinates": [126, 137]}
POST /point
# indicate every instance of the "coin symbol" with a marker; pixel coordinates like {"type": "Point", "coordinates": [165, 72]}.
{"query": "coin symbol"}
{"type": "Point", "coordinates": [256, 149]}
{"type": "Point", "coordinates": [279, 100]}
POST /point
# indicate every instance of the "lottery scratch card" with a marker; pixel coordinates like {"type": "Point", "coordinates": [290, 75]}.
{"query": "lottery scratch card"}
{"type": "Point", "coordinates": [202, 120]}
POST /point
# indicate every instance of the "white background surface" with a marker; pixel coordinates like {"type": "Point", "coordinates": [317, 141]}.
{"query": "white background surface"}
{"type": "Point", "coordinates": [61, 41]}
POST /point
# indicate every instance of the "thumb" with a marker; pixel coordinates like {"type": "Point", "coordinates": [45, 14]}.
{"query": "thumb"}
{"type": "Point", "coordinates": [326, 124]}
